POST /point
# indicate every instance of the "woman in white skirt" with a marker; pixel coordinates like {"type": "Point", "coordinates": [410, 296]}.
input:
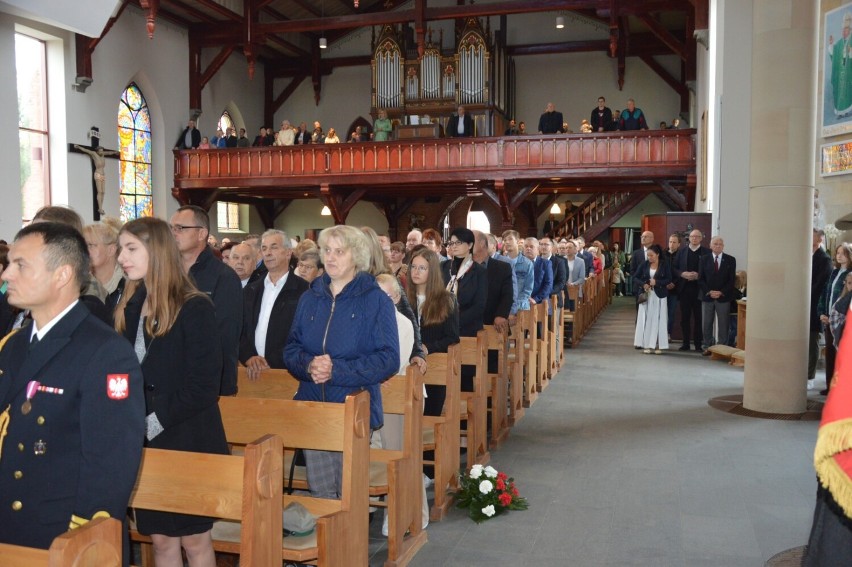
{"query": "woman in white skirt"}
{"type": "Point", "coordinates": [652, 322]}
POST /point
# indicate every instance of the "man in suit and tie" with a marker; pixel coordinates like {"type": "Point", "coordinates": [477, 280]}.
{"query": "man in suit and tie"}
{"type": "Point", "coordinates": [685, 273]}
{"type": "Point", "coordinates": [71, 398]}
{"type": "Point", "coordinates": [716, 273]}
{"type": "Point", "coordinates": [269, 307]}
{"type": "Point", "coordinates": [460, 125]}
{"type": "Point", "coordinates": [585, 255]}
{"type": "Point", "coordinates": [576, 270]}
{"type": "Point", "coordinates": [638, 257]}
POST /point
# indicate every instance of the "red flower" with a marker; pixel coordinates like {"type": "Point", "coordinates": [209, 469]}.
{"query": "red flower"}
{"type": "Point", "coordinates": [505, 499]}
{"type": "Point", "coordinates": [500, 484]}
{"type": "Point", "coordinates": [514, 491]}
{"type": "Point", "coordinates": [502, 476]}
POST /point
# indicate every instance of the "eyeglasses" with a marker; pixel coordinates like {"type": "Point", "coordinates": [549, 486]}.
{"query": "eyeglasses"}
{"type": "Point", "coordinates": [418, 268]}
{"type": "Point", "coordinates": [303, 266]}
{"type": "Point", "coordinates": [180, 228]}
{"type": "Point", "coordinates": [454, 242]}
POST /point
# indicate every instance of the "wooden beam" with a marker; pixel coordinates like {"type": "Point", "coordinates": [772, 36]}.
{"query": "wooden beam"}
{"type": "Point", "coordinates": [543, 207]}
{"type": "Point", "coordinates": [676, 85]}
{"type": "Point", "coordinates": [522, 195]}
{"type": "Point", "coordinates": [431, 14]}
{"type": "Point", "coordinates": [219, 9]}
{"type": "Point", "coordinates": [193, 11]}
{"type": "Point", "coordinates": [665, 36]}
{"type": "Point", "coordinates": [672, 193]}
{"type": "Point", "coordinates": [194, 72]}
{"type": "Point", "coordinates": [216, 64]}
{"type": "Point", "coordinates": [561, 47]}
{"type": "Point", "coordinates": [151, 7]}
{"type": "Point", "coordinates": [285, 94]}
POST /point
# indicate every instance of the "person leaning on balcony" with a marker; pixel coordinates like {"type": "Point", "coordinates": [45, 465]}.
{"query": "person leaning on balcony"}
{"type": "Point", "coordinates": [632, 118]}
{"type": "Point", "coordinates": [332, 138]}
{"type": "Point", "coordinates": [382, 127]}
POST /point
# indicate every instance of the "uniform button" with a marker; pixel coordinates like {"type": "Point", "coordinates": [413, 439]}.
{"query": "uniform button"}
{"type": "Point", "coordinates": [150, 387]}
{"type": "Point", "coordinates": [16, 505]}
{"type": "Point", "coordinates": [19, 475]}
{"type": "Point", "coordinates": [20, 447]}
{"type": "Point", "coordinates": [40, 420]}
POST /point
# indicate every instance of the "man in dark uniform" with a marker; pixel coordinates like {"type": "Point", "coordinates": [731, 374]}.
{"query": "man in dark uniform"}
{"type": "Point", "coordinates": [71, 394]}
{"type": "Point", "coordinates": [190, 226]}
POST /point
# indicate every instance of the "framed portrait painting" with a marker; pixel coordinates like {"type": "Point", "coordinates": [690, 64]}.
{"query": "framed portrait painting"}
{"type": "Point", "coordinates": [837, 72]}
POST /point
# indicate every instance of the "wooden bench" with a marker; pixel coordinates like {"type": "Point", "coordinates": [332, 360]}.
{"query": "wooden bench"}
{"type": "Point", "coordinates": [396, 474]}
{"type": "Point", "coordinates": [497, 386]}
{"type": "Point", "coordinates": [722, 352]}
{"type": "Point", "coordinates": [530, 355]}
{"type": "Point", "coordinates": [474, 405]}
{"type": "Point", "coordinates": [573, 318]}
{"type": "Point", "coordinates": [545, 372]}
{"type": "Point", "coordinates": [515, 375]}
{"type": "Point", "coordinates": [557, 334]}
{"type": "Point", "coordinates": [244, 489]}
{"type": "Point", "coordinates": [441, 433]}
{"type": "Point", "coordinates": [342, 530]}
{"type": "Point", "coordinates": [96, 544]}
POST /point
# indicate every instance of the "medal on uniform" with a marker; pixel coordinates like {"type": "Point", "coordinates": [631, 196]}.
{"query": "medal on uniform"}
{"type": "Point", "coordinates": [32, 388]}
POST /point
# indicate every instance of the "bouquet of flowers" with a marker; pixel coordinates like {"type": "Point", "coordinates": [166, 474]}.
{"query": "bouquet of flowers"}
{"type": "Point", "coordinates": [485, 493]}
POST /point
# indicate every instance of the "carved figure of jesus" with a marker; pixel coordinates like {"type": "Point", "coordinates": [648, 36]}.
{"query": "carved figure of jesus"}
{"type": "Point", "coordinates": [100, 163]}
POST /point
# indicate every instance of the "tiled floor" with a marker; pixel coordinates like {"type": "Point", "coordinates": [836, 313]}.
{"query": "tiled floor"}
{"type": "Point", "coordinates": [624, 463]}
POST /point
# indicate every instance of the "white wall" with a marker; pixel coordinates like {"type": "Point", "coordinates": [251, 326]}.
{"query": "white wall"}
{"type": "Point", "coordinates": [304, 214]}
{"type": "Point", "coordinates": [10, 195]}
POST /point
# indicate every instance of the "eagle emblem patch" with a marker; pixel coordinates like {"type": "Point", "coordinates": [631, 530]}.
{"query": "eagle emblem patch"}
{"type": "Point", "coordinates": [118, 386]}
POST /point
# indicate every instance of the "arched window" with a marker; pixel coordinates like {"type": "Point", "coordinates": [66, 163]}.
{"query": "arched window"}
{"type": "Point", "coordinates": [134, 143]}
{"type": "Point", "coordinates": [225, 122]}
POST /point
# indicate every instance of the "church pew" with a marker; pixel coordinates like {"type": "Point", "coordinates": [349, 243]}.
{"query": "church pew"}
{"type": "Point", "coordinates": [557, 331]}
{"type": "Point", "coordinates": [542, 378]}
{"type": "Point", "coordinates": [497, 386]}
{"type": "Point", "coordinates": [242, 489]}
{"type": "Point", "coordinates": [515, 375]}
{"type": "Point", "coordinates": [396, 474]}
{"type": "Point", "coordinates": [341, 536]}
{"type": "Point", "coordinates": [96, 544]}
{"type": "Point", "coordinates": [474, 405]}
{"type": "Point", "coordinates": [441, 433]}
{"type": "Point", "coordinates": [573, 318]}
{"type": "Point", "coordinates": [528, 322]}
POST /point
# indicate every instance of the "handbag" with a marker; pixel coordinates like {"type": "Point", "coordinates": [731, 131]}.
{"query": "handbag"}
{"type": "Point", "coordinates": [643, 297]}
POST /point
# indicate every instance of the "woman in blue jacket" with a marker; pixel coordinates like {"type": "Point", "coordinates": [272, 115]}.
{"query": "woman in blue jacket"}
{"type": "Point", "coordinates": [343, 340]}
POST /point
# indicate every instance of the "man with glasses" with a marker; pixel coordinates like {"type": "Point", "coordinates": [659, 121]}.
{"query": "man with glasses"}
{"type": "Point", "coordinates": [190, 226]}
{"type": "Point", "coordinates": [601, 120]}
{"type": "Point", "coordinates": [269, 306]}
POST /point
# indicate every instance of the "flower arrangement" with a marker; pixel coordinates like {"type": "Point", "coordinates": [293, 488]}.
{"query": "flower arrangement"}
{"type": "Point", "coordinates": [485, 493]}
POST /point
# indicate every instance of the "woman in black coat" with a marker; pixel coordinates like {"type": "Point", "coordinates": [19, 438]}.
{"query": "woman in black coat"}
{"type": "Point", "coordinates": [653, 275]}
{"type": "Point", "coordinates": [169, 321]}
{"type": "Point", "coordinates": [438, 313]}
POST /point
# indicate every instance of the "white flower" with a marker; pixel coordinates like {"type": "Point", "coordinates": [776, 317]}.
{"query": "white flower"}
{"type": "Point", "coordinates": [476, 471]}
{"type": "Point", "coordinates": [490, 472]}
{"type": "Point", "coordinates": [489, 510]}
{"type": "Point", "coordinates": [485, 486]}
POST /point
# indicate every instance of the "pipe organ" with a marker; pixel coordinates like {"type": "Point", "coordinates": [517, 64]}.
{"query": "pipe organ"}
{"type": "Point", "coordinates": [437, 82]}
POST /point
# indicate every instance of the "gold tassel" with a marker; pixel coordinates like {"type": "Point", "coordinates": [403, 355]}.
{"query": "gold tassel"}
{"type": "Point", "coordinates": [834, 438]}
{"type": "Point", "coordinates": [4, 425]}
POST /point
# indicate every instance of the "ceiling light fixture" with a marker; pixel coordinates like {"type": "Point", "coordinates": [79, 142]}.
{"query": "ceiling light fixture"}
{"type": "Point", "coordinates": [555, 210]}
{"type": "Point", "coordinates": [560, 22]}
{"type": "Point", "coordinates": [323, 43]}
{"type": "Point", "coordinates": [325, 212]}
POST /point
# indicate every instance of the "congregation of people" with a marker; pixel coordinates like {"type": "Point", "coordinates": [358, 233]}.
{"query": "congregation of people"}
{"type": "Point", "coordinates": [459, 125]}
{"type": "Point", "coordinates": [164, 313]}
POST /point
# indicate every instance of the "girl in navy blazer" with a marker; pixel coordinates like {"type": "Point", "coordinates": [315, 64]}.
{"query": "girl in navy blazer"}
{"type": "Point", "coordinates": [652, 322]}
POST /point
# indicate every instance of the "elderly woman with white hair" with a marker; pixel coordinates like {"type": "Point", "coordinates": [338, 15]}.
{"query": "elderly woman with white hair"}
{"type": "Point", "coordinates": [343, 340]}
{"type": "Point", "coordinates": [286, 136]}
{"type": "Point", "coordinates": [102, 239]}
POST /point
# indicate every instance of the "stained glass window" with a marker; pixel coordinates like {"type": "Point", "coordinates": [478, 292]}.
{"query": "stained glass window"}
{"type": "Point", "coordinates": [134, 144]}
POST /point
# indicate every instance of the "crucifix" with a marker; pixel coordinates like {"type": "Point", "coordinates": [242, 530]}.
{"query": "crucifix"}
{"type": "Point", "coordinates": [98, 156]}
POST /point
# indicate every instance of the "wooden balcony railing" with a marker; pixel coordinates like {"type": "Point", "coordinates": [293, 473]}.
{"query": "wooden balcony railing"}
{"type": "Point", "coordinates": [628, 154]}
